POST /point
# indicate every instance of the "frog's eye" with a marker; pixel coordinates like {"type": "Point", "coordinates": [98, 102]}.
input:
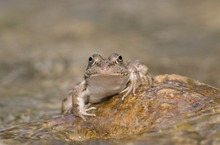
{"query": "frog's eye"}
{"type": "Point", "coordinates": [90, 59]}
{"type": "Point", "coordinates": [119, 59]}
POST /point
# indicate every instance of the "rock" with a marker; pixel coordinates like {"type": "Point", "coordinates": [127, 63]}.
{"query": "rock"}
{"type": "Point", "coordinates": [170, 100]}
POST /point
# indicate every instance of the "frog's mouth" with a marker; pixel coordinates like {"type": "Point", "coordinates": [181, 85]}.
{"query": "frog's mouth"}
{"type": "Point", "coordinates": [107, 74]}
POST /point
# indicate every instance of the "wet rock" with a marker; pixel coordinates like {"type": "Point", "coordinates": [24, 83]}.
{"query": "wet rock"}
{"type": "Point", "coordinates": [170, 100]}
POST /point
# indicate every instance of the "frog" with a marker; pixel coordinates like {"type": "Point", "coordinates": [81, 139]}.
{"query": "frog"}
{"type": "Point", "coordinates": [104, 78]}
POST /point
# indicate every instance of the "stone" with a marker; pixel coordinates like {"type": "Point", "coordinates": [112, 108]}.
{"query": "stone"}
{"type": "Point", "coordinates": [171, 99]}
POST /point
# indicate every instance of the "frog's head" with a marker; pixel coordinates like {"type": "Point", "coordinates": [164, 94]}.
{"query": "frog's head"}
{"type": "Point", "coordinates": [113, 65]}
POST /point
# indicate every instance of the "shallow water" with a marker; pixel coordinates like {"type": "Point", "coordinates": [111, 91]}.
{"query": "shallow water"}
{"type": "Point", "coordinates": [44, 47]}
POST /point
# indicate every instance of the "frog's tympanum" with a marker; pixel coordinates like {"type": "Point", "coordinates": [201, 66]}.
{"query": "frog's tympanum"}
{"type": "Point", "coordinates": [105, 77]}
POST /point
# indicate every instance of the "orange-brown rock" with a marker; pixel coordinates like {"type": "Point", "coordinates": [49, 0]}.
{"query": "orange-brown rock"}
{"type": "Point", "coordinates": [170, 100]}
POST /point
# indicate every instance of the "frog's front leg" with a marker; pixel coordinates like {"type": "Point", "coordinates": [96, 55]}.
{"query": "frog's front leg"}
{"type": "Point", "coordinates": [79, 107]}
{"type": "Point", "coordinates": [142, 70]}
{"type": "Point", "coordinates": [76, 101]}
{"type": "Point", "coordinates": [133, 85]}
{"type": "Point", "coordinates": [138, 72]}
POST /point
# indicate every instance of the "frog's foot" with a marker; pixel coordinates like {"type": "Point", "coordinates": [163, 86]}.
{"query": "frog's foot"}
{"type": "Point", "coordinates": [135, 82]}
{"type": "Point", "coordinates": [128, 90]}
{"type": "Point", "coordinates": [84, 112]}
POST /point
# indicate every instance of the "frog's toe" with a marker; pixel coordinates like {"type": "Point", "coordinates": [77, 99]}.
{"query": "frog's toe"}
{"type": "Point", "coordinates": [91, 108]}
{"type": "Point", "coordinates": [81, 116]}
{"type": "Point", "coordinates": [125, 90]}
{"type": "Point", "coordinates": [124, 96]}
{"type": "Point", "coordinates": [88, 114]}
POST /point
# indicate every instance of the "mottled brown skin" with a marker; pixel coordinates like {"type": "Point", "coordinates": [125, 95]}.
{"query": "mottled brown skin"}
{"type": "Point", "coordinates": [172, 99]}
{"type": "Point", "coordinates": [104, 78]}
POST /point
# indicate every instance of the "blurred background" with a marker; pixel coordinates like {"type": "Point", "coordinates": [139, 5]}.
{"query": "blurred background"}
{"type": "Point", "coordinates": [45, 45]}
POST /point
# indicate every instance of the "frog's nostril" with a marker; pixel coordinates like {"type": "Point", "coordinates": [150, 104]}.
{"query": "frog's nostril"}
{"type": "Point", "coordinates": [105, 68]}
